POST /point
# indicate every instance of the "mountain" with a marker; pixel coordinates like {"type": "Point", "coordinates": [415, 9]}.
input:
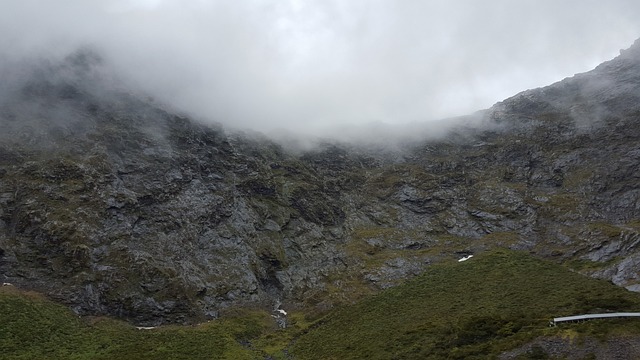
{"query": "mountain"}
{"type": "Point", "coordinates": [497, 306]}
{"type": "Point", "coordinates": [115, 205]}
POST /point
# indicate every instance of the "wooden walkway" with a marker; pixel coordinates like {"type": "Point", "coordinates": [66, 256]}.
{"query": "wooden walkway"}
{"type": "Point", "coordinates": [592, 316]}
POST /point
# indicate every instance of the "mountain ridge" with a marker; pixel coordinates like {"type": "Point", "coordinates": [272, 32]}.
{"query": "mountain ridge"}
{"type": "Point", "coordinates": [113, 205]}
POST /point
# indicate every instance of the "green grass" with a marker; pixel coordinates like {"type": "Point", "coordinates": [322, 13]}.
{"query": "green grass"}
{"type": "Point", "coordinates": [273, 343]}
{"type": "Point", "coordinates": [608, 230]}
{"type": "Point", "coordinates": [32, 327]}
{"type": "Point", "coordinates": [588, 265]}
{"type": "Point", "coordinates": [476, 309]}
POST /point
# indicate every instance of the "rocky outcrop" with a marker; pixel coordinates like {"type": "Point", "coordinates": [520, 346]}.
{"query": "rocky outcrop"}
{"type": "Point", "coordinates": [114, 205]}
{"type": "Point", "coordinates": [615, 347]}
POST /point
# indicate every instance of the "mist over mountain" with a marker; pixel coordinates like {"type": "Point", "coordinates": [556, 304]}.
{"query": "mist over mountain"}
{"type": "Point", "coordinates": [85, 71]}
{"type": "Point", "coordinates": [114, 204]}
{"type": "Point", "coordinates": [314, 67]}
{"type": "Point", "coordinates": [276, 173]}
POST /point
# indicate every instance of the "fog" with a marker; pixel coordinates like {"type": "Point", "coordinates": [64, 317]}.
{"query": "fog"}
{"type": "Point", "coordinates": [327, 67]}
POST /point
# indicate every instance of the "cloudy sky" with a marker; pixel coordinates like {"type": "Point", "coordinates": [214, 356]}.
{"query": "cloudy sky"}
{"type": "Point", "coordinates": [305, 65]}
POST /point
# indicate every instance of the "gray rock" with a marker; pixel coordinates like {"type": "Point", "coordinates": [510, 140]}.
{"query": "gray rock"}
{"type": "Point", "coordinates": [115, 206]}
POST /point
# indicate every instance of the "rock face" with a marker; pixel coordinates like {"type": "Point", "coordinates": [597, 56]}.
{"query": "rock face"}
{"type": "Point", "coordinates": [115, 206]}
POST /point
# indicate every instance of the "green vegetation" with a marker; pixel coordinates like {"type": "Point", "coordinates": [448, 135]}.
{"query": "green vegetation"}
{"type": "Point", "coordinates": [501, 239]}
{"type": "Point", "coordinates": [563, 203]}
{"type": "Point", "coordinates": [634, 224]}
{"type": "Point", "coordinates": [608, 230]}
{"type": "Point", "coordinates": [35, 328]}
{"type": "Point", "coordinates": [274, 343]}
{"type": "Point", "coordinates": [494, 302]}
{"type": "Point", "coordinates": [384, 183]}
{"type": "Point", "coordinates": [474, 309]}
{"type": "Point", "coordinates": [585, 265]}
{"type": "Point", "coordinates": [580, 176]}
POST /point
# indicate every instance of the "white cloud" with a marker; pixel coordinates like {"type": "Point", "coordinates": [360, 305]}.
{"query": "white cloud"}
{"type": "Point", "coordinates": [306, 65]}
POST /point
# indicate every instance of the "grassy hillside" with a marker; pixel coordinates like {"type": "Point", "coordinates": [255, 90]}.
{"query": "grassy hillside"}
{"type": "Point", "coordinates": [474, 309]}
{"type": "Point", "coordinates": [34, 328]}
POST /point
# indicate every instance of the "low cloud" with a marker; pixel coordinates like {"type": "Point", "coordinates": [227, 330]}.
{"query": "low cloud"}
{"type": "Point", "coordinates": [317, 66]}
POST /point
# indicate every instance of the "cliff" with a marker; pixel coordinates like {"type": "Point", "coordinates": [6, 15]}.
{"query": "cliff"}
{"type": "Point", "coordinates": [113, 204]}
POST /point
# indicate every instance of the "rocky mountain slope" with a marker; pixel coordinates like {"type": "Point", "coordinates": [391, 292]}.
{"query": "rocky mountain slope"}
{"type": "Point", "coordinates": [495, 306]}
{"type": "Point", "coordinates": [114, 205]}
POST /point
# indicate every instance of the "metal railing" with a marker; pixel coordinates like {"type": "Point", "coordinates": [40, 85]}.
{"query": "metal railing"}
{"type": "Point", "coordinates": [557, 320]}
